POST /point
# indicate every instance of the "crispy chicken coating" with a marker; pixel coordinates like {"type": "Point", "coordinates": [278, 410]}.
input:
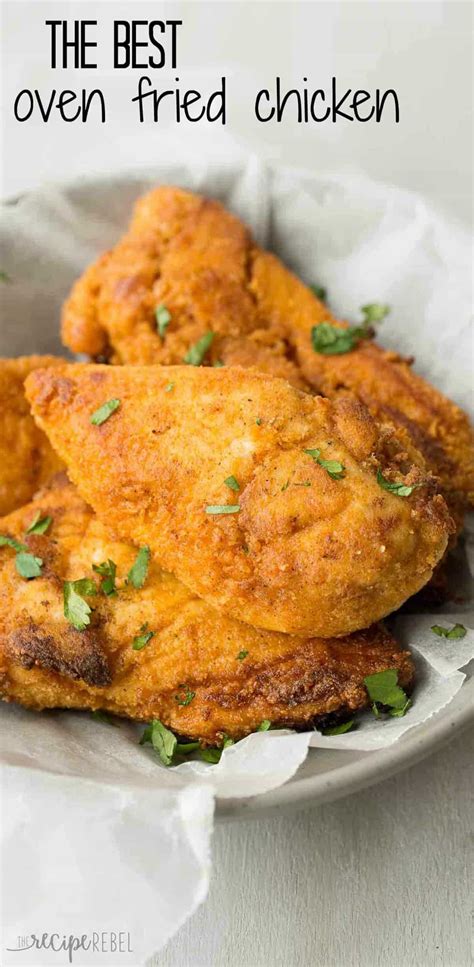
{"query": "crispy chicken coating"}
{"type": "Point", "coordinates": [262, 499]}
{"type": "Point", "coordinates": [237, 676]}
{"type": "Point", "coordinates": [27, 459]}
{"type": "Point", "coordinates": [192, 256]}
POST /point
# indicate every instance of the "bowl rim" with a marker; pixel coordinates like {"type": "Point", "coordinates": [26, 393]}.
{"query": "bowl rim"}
{"type": "Point", "coordinates": [371, 768]}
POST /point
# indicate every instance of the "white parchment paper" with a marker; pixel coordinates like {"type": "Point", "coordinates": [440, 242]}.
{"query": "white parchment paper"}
{"type": "Point", "coordinates": [98, 838]}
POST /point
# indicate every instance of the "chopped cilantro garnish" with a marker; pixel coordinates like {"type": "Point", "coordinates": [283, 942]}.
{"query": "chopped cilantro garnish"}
{"type": "Point", "coordinates": [374, 312]}
{"type": "Point", "coordinates": [104, 411]}
{"type": "Point", "coordinates": [27, 565]}
{"type": "Point", "coordinates": [264, 726]}
{"type": "Point", "coordinates": [186, 697]}
{"type": "Point", "coordinates": [107, 571]}
{"type": "Point", "coordinates": [222, 509]}
{"type": "Point", "coordinates": [76, 610]}
{"type": "Point", "coordinates": [242, 654]}
{"type": "Point", "coordinates": [214, 753]}
{"type": "Point", "coordinates": [99, 716]}
{"type": "Point", "coordinates": [143, 638]}
{"type": "Point", "coordinates": [384, 690]}
{"type": "Point", "coordinates": [11, 542]}
{"type": "Point", "coordinates": [138, 572]}
{"type": "Point", "coordinates": [332, 467]}
{"type": "Point", "coordinates": [304, 483]}
{"type": "Point", "coordinates": [163, 319]}
{"type": "Point", "coordinates": [39, 525]}
{"type": "Point", "coordinates": [457, 631]}
{"type": "Point", "coordinates": [258, 421]}
{"type": "Point", "coordinates": [169, 387]}
{"type": "Point", "coordinates": [196, 353]}
{"type": "Point", "coordinates": [398, 712]}
{"type": "Point", "coordinates": [401, 489]}
{"type": "Point", "coordinates": [331, 340]}
{"type": "Point", "coordinates": [163, 741]}
{"type": "Point", "coordinates": [339, 729]}
{"type": "Point", "coordinates": [185, 748]}
{"type": "Point", "coordinates": [285, 485]}
{"type": "Point", "coordinates": [232, 483]}
{"type": "Point", "coordinates": [320, 292]}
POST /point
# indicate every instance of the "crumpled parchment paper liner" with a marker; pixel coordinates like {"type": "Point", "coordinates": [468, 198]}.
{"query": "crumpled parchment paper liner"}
{"type": "Point", "coordinates": [97, 834]}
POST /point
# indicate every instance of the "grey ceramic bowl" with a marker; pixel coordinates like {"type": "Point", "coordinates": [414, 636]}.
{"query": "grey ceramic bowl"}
{"type": "Point", "coordinates": [47, 239]}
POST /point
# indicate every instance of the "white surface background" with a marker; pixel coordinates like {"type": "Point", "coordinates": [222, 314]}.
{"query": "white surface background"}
{"type": "Point", "coordinates": [382, 877]}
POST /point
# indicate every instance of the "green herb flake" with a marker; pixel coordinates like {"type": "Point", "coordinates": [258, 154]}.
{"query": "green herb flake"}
{"type": "Point", "coordinates": [339, 729]}
{"type": "Point", "coordinates": [384, 690]}
{"type": "Point", "coordinates": [285, 486]}
{"type": "Point", "coordinates": [163, 319]}
{"type": "Point", "coordinates": [320, 292]}
{"type": "Point", "coordinates": [232, 483]}
{"type": "Point", "coordinates": [99, 716]}
{"type": "Point", "coordinates": [76, 610]}
{"type": "Point", "coordinates": [104, 411]}
{"type": "Point", "coordinates": [39, 525]}
{"type": "Point", "coordinates": [222, 509]}
{"type": "Point", "coordinates": [374, 312]}
{"type": "Point", "coordinates": [169, 387]}
{"type": "Point", "coordinates": [214, 753]}
{"type": "Point", "coordinates": [138, 572]}
{"type": "Point", "coordinates": [186, 696]}
{"type": "Point", "coordinates": [211, 755]}
{"type": "Point", "coordinates": [162, 739]}
{"type": "Point", "coordinates": [143, 638]}
{"type": "Point", "coordinates": [107, 571]}
{"type": "Point", "coordinates": [457, 631]}
{"type": "Point", "coordinates": [264, 726]}
{"type": "Point", "coordinates": [27, 565]}
{"type": "Point", "coordinates": [333, 467]}
{"type": "Point", "coordinates": [242, 654]}
{"type": "Point", "coordinates": [4, 277]}
{"type": "Point", "coordinates": [258, 421]}
{"type": "Point", "coordinates": [330, 340]}
{"type": "Point", "coordinates": [400, 489]}
{"type": "Point", "coordinates": [196, 353]}
{"type": "Point", "coordinates": [185, 748]}
{"type": "Point", "coordinates": [399, 712]}
{"type": "Point", "coordinates": [11, 542]}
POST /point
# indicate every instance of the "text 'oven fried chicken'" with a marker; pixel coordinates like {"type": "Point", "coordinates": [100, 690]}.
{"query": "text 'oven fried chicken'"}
{"type": "Point", "coordinates": [190, 256]}
{"type": "Point", "coordinates": [158, 651]}
{"type": "Point", "coordinates": [273, 505]}
{"type": "Point", "coordinates": [27, 458]}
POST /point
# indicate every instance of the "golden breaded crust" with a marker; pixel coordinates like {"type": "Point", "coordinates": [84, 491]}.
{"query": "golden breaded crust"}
{"type": "Point", "coordinates": [46, 663]}
{"type": "Point", "coordinates": [193, 256]}
{"type": "Point", "coordinates": [305, 553]}
{"type": "Point", "coordinates": [27, 459]}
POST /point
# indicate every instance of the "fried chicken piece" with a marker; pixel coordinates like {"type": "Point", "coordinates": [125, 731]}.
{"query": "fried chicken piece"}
{"type": "Point", "coordinates": [194, 257]}
{"type": "Point", "coordinates": [237, 676]}
{"type": "Point", "coordinates": [209, 467]}
{"type": "Point", "coordinates": [27, 458]}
